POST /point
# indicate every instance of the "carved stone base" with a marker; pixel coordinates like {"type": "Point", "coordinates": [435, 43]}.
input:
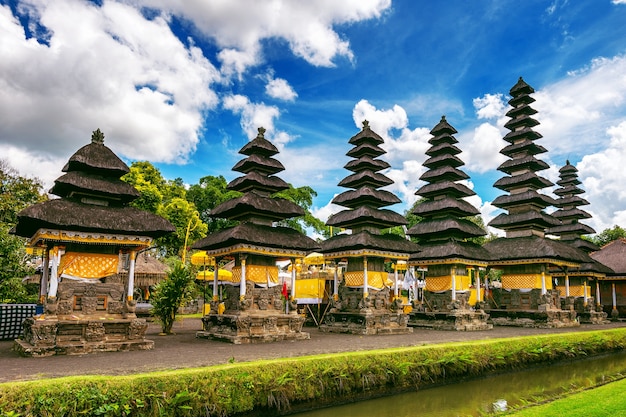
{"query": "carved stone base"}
{"type": "Point", "coordinates": [366, 322]}
{"type": "Point", "coordinates": [541, 318]}
{"type": "Point", "coordinates": [253, 327]}
{"type": "Point", "coordinates": [592, 317]}
{"type": "Point", "coordinates": [61, 336]}
{"type": "Point", "coordinates": [459, 320]}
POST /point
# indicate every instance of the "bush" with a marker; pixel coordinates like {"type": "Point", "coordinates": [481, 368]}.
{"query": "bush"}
{"type": "Point", "coordinates": [170, 294]}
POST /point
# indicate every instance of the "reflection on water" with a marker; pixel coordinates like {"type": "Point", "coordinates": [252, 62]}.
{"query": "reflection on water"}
{"type": "Point", "coordinates": [485, 395]}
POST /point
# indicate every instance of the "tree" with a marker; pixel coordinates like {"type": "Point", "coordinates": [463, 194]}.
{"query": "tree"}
{"type": "Point", "coordinates": [170, 294]}
{"type": "Point", "coordinates": [206, 195]}
{"type": "Point", "coordinates": [147, 179]}
{"type": "Point", "coordinates": [16, 193]}
{"type": "Point", "coordinates": [302, 196]}
{"type": "Point", "coordinates": [609, 235]}
{"type": "Point", "coordinates": [189, 227]}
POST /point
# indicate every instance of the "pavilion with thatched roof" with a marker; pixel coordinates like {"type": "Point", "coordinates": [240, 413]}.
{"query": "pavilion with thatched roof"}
{"type": "Point", "coordinates": [577, 286]}
{"type": "Point", "coordinates": [364, 302]}
{"type": "Point", "coordinates": [525, 256]}
{"type": "Point", "coordinates": [613, 286]}
{"type": "Point", "coordinates": [254, 307]}
{"type": "Point", "coordinates": [89, 235]}
{"type": "Point", "coordinates": [451, 259]}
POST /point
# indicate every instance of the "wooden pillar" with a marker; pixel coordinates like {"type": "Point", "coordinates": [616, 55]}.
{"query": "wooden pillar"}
{"type": "Point", "coordinates": [293, 277]}
{"type": "Point", "coordinates": [566, 283]}
{"type": "Point", "coordinates": [365, 286]}
{"type": "Point", "coordinates": [336, 282]}
{"type": "Point", "coordinates": [131, 275]}
{"type": "Point", "coordinates": [242, 282]}
{"type": "Point", "coordinates": [395, 281]}
{"type": "Point", "coordinates": [45, 273]}
{"type": "Point", "coordinates": [543, 282]}
{"type": "Point", "coordinates": [54, 269]}
{"type": "Point", "coordinates": [585, 293]}
{"type": "Point", "coordinates": [614, 296]}
{"type": "Point", "coordinates": [598, 300]}
{"type": "Point", "coordinates": [476, 283]}
{"type": "Point", "coordinates": [453, 277]}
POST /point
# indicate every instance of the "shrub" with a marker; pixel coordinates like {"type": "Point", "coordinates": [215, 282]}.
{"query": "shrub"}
{"type": "Point", "coordinates": [170, 294]}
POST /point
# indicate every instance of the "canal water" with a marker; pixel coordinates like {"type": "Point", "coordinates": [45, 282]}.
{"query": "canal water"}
{"type": "Point", "coordinates": [485, 395]}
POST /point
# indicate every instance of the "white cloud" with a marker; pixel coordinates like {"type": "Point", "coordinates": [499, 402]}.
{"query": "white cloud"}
{"type": "Point", "coordinates": [280, 89]}
{"type": "Point", "coordinates": [619, 1]}
{"type": "Point", "coordinates": [490, 106]}
{"type": "Point", "coordinates": [481, 152]}
{"type": "Point", "coordinates": [323, 213]}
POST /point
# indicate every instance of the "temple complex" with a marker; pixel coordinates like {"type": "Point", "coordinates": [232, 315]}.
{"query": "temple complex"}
{"type": "Point", "coordinates": [452, 260]}
{"type": "Point", "coordinates": [253, 307]}
{"type": "Point", "coordinates": [91, 238]}
{"type": "Point", "coordinates": [525, 256]}
{"type": "Point", "coordinates": [577, 285]}
{"type": "Point", "coordinates": [365, 300]}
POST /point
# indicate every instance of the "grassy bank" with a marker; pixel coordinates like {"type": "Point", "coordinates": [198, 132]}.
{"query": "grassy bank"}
{"type": "Point", "coordinates": [607, 400]}
{"type": "Point", "coordinates": [279, 385]}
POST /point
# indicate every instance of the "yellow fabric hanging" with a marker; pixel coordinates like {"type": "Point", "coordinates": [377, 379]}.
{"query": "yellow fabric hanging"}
{"type": "Point", "coordinates": [88, 265]}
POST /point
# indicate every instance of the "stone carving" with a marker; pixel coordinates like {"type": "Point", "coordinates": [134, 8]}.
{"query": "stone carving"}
{"type": "Point", "coordinates": [94, 332]}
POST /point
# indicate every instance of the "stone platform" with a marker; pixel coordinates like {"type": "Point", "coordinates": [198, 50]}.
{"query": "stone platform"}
{"type": "Point", "coordinates": [368, 322]}
{"type": "Point", "coordinates": [458, 320]}
{"type": "Point", "coordinates": [549, 318]}
{"type": "Point", "coordinates": [256, 326]}
{"type": "Point", "coordinates": [81, 335]}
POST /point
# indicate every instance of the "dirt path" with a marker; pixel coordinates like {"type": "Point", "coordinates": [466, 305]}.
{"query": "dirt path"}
{"type": "Point", "coordinates": [183, 350]}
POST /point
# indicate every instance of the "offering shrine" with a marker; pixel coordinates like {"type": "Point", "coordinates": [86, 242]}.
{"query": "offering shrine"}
{"type": "Point", "coordinates": [525, 256]}
{"type": "Point", "coordinates": [365, 299]}
{"type": "Point", "coordinates": [91, 237]}
{"type": "Point", "coordinates": [254, 307]}
{"type": "Point", "coordinates": [452, 298]}
{"type": "Point", "coordinates": [576, 286]}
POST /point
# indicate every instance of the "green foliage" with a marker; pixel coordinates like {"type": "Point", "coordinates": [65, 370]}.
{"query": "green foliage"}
{"type": "Point", "coordinates": [206, 195]}
{"type": "Point", "coordinates": [271, 387]}
{"type": "Point", "coordinates": [16, 193]}
{"type": "Point", "coordinates": [170, 294]}
{"type": "Point", "coordinates": [302, 196]}
{"type": "Point", "coordinates": [609, 235]}
{"type": "Point", "coordinates": [189, 226]}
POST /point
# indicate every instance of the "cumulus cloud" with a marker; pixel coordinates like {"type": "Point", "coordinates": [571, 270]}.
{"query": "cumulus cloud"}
{"type": "Point", "coordinates": [490, 106]}
{"type": "Point", "coordinates": [619, 1]}
{"type": "Point", "coordinates": [279, 88]}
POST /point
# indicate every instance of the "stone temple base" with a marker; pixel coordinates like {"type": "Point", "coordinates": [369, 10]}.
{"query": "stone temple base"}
{"type": "Point", "coordinates": [592, 317]}
{"type": "Point", "coordinates": [459, 320]}
{"type": "Point", "coordinates": [369, 322]}
{"type": "Point", "coordinates": [548, 318]}
{"type": "Point", "coordinates": [80, 335]}
{"type": "Point", "coordinates": [257, 326]}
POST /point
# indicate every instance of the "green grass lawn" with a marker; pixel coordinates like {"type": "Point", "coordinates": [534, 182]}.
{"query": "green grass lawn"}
{"type": "Point", "coordinates": [607, 400]}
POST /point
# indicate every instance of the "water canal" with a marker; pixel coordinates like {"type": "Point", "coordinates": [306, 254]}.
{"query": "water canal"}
{"type": "Point", "coordinates": [486, 395]}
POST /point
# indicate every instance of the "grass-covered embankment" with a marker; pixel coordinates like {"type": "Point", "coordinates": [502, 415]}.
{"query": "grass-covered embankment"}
{"type": "Point", "coordinates": [277, 385]}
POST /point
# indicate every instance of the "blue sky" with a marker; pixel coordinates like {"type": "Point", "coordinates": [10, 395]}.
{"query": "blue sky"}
{"type": "Point", "coordinates": [186, 84]}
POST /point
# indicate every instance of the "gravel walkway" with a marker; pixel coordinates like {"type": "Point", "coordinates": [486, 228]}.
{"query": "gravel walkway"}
{"type": "Point", "coordinates": [183, 350]}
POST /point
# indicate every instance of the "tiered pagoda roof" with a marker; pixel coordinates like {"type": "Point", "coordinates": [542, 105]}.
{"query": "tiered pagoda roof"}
{"type": "Point", "coordinates": [364, 214]}
{"type": "Point", "coordinates": [525, 222]}
{"type": "Point", "coordinates": [256, 209]}
{"type": "Point", "coordinates": [571, 230]}
{"type": "Point", "coordinates": [444, 231]}
{"type": "Point", "coordinates": [93, 199]}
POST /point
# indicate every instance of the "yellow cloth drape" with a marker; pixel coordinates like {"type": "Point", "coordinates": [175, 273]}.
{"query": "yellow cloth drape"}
{"type": "Point", "coordinates": [375, 279]}
{"type": "Point", "coordinates": [444, 283]}
{"type": "Point", "coordinates": [522, 281]}
{"type": "Point", "coordinates": [257, 274]}
{"type": "Point", "coordinates": [88, 265]}
{"type": "Point", "coordinates": [574, 290]}
{"type": "Point", "coordinates": [310, 288]}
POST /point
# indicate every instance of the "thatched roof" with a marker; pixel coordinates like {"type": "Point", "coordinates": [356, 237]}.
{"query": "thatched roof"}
{"type": "Point", "coordinates": [531, 218]}
{"type": "Point", "coordinates": [527, 197]}
{"type": "Point", "coordinates": [364, 216]}
{"type": "Point", "coordinates": [77, 183]}
{"type": "Point", "coordinates": [443, 159]}
{"type": "Point", "coordinates": [528, 162]}
{"type": "Point", "coordinates": [613, 255]}
{"type": "Point", "coordinates": [528, 179]}
{"type": "Point", "coordinates": [266, 165]}
{"type": "Point", "coordinates": [365, 240]}
{"type": "Point", "coordinates": [442, 228]}
{"type": "Point", "coordinates": [366, 135]}
{"type": "Point", "coordinates": [74, 216]}
{"type": "Point", "coordinates": [366, 196]}
{"type": "Point", "coordinates": [260, 235]}
{"type": "Point", "coordinates": [255, 181]}
{"type": "Point", "coordinates": [366, 149]}
{"type": "Point", "coordinates": [447, 205]}
{"type": "Point", "coordinates": [534, 248]}
{"type": "Point", "coordinates": [451, 249]}
{"type": "Point", "coordinates": [252, 204]}
{"type": "Point", "coordinates": [444, 173]}
{"type": "Point", "coordinates": [95, 158]}
{"type": "Point", "coordinates": [365, 178]}
{"type": "Point", "coordinates": [259, 146]}
{"type": "Point", "coordinates": [366, 162]}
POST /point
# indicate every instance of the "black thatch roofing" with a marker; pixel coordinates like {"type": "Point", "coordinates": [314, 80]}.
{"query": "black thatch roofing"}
{"type": "Point", "coordinates": [522, 138]}
{"type": "Point", "coordinates": [284, 238]}
{"type": "Point", "coordinates": [366, 196]}
{"type": "Point", "coordinates": [584, 245]}
{"type": "Point", "coordinates": [533, 248]}
{"type": "Point", "coordinates": [443, 159]}
{"type": "Point", "coordinates": [527, 197]}
{"type": "Point", "coordinates": [450, 188]}
{"type": "Point", "coordinates": [255, 181]}
{"type": "Point", "coordinates": [571, 213]}
{"type": "Point", "coordinates": [366, 149]}
{"type": "Point", "coordinates": [74, 216]}
{"type": "Point", "coordinates": [266, 165]}
{"type": "Point", "coordinates": [366, 162]}
{"type": "Point", "coordinates": [445, 228]}
{"type": "Point", "coordinates": [444, 173]}
{"type": "Point", "coordinates": [527, 162]}
{"type": "Point", "coordinates": [95, 158]}
{"type": "Point", "coordinates": [595, 267]}
{"type": "Point", "coordinates": [613, 255]}
{"type": "Point", "coordinates": [366, 135]}
{"type": "Point", "coordinates": [252, 204]}
{"type": "Point", "coordinates": [528, 179]}
{"type": "Point", "coordinates": [77, 183]}
{"type": "Point", "coordinates": [365, 178]}
{"type": "Point", "coordinates": [531, 218]}
{"type": "Point", "coordinates": [442, 148]}
{"type": "Point", "coordinates": [570, 228]}
{"type": "Point", "coordinates": [364, 216]}
{"type": "Point", "coordinates": [441, 129]}
{"type": "Point", "coordinates": [450, 250]}
{"type": "Point", "coordinates": [448, 205]}
{"type": "Point", "coordinates": [365, 240]}
{"type": "Point", "coordinates": [259, 146]}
